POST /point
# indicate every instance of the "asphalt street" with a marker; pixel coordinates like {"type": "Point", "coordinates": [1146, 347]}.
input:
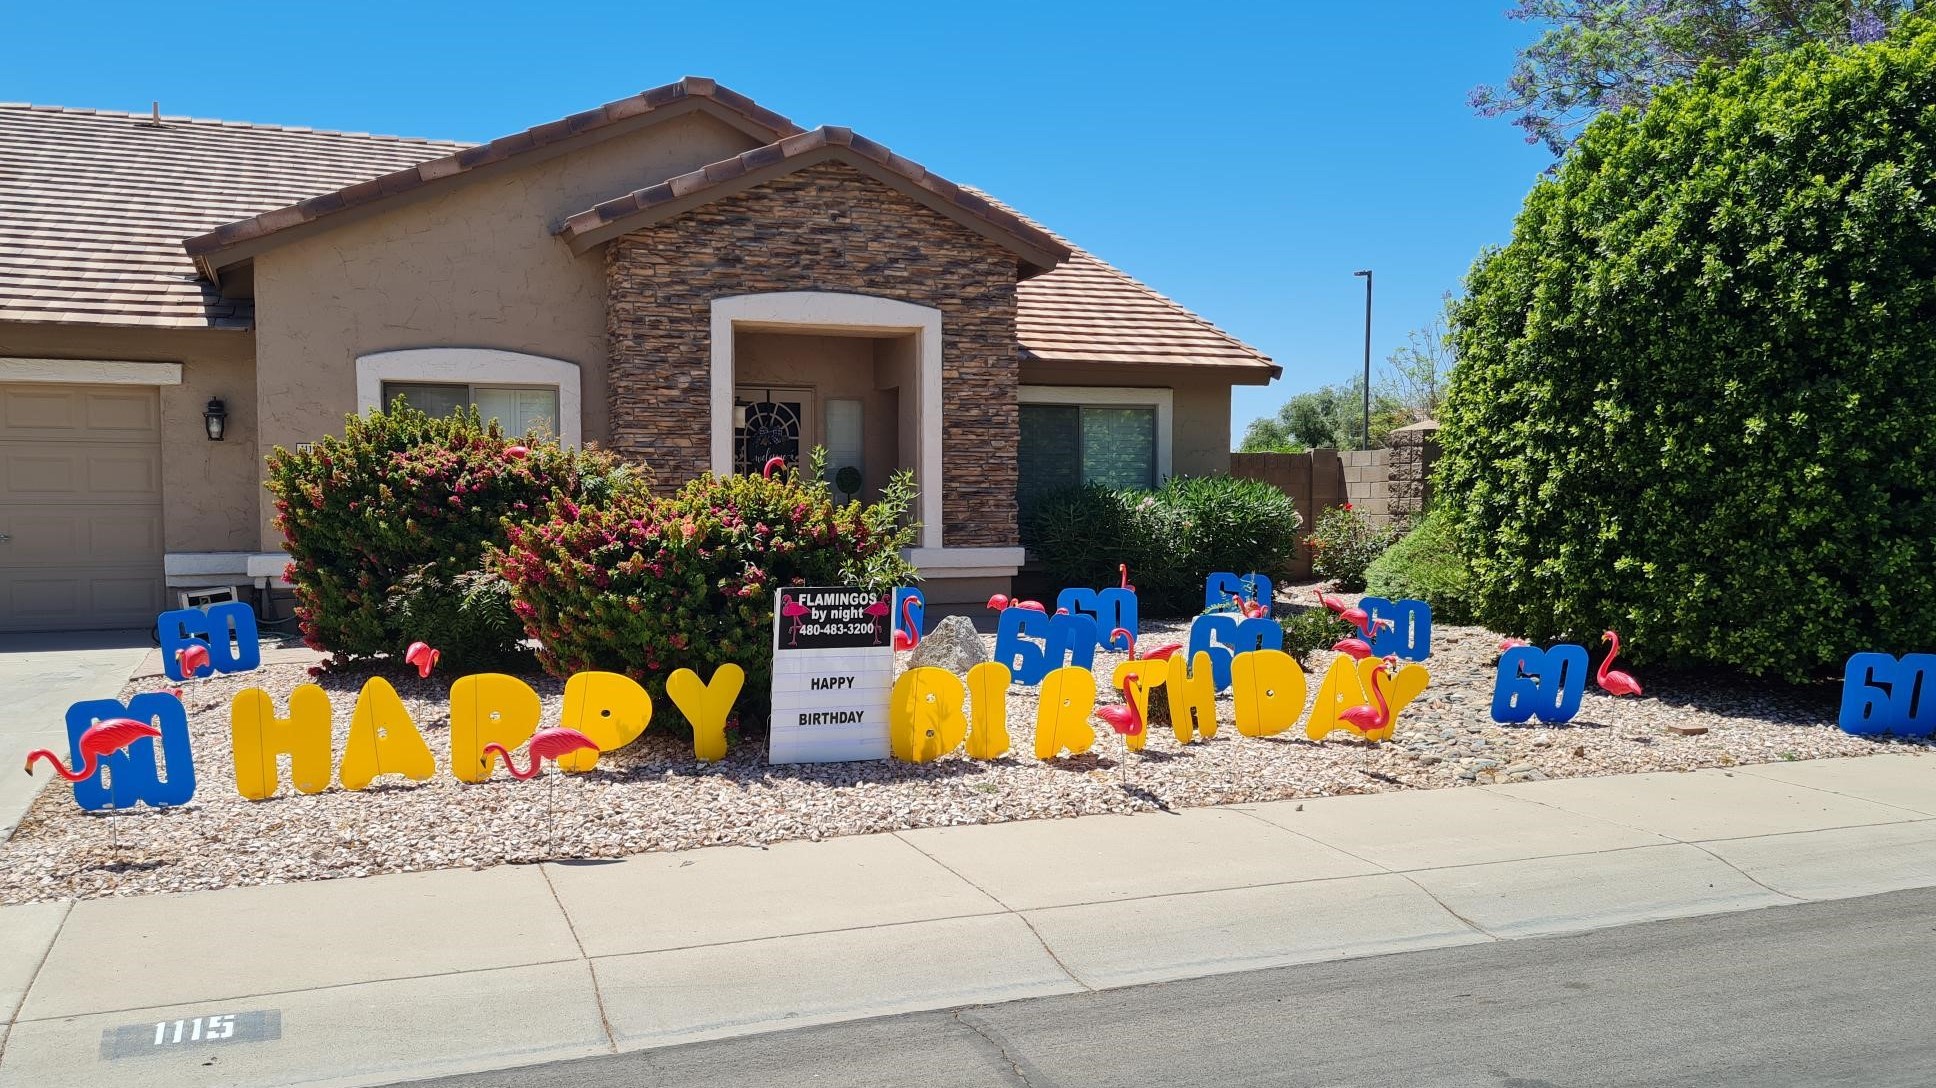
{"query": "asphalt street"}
{"type": "Point", "coordinates": [1822, 994]}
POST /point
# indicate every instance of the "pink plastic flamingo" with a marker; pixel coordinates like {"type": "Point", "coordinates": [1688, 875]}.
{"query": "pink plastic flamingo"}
{"type": "Point", "coordinates": [192, 659]}
{"type": "Point", "coordinates": [423, 656]}
{"type": "Point", "coordinates": [1163, 652]}
{"type": "Point", "coordinates": [1509, 643]}
{"type": "Point", "coordinates": [1370, 719]}
{"type": "Point", "coordinates": [1357, 648]}
{"type": "Point", "coordinates": [878, 610]}
{"type": "Point", "coordinates": [1126, 719]}
{"type": "Point", "coordinates": [773, 465]}
{"type": "Point", "coordinates": [792, 610]}
{"type": "Point", "coordinates": [1123, 569]}
{"type": "Point", "coordinates": [1002, 601]}
{"type": "Point", "coordinates": [517, 453]}
{"type": "Point", "coordinates": [103, 738]}
{"type": "Point", "coordinates": [1615, 682]}
{"type": "Point", "coordinates": [908, 635]}
{"type": "Point", "coordinates": [1248, 609]}
{"type": "Point", "coordinates": [553, 744]}
{"type": "Point", "coordinates": [1354, 616]}
{"type": "Point", "coordinates": [1128, 638]}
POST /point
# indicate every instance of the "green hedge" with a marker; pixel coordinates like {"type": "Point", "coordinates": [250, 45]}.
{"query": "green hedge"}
{"type": "Point", "coordinates": [1695, 399]}
{"type": "Point", "coordinates": [1425, 564]}
{"type": "Point", "coordinates": [1172, 538]}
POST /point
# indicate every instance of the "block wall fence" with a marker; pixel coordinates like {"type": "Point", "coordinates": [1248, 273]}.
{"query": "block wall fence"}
{"type": "Point", "coordinates": [1385, 484]}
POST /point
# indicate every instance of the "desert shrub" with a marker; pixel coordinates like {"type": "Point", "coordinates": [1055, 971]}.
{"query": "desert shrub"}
{"type": "Point", "coordinates": [467, 617]}
{"type": "Point", "coordinates": [1231, 524]}
{"type": "Point", "coordinates": [1172, 538]}
{"type": "Point", "coordinates": [402, 493]}
{"type": "Point", "coordinates": [1081, 534]}
{"type": "Point", "coordinates": [1425, 564]}
{"type": "Point", "coordinates": [1343, 544]}
{"type": "Point", "coordinates": [1695, 400]}
{"type": "Point", "coordinates": [643, 585]}
{"type": "Point", "coordinates": [1311, 629]}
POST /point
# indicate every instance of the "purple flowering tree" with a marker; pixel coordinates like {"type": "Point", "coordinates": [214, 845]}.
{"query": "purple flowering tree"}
{"type": "Point", "coordinates": [1599, 55]}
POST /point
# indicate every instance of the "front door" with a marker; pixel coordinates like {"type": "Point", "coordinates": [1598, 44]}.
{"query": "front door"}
{"type": "Point", "coordinates": [770, 423]}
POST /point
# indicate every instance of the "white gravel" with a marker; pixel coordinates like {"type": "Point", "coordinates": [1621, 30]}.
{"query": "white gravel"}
{"type": "Point", "coordinates": [655, 796]}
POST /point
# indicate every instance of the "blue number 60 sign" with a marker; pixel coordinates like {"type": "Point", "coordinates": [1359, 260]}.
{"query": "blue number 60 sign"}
{"type": "Point", "coordinates": [1536, 683]}
{"type": "Point", "coordinates": [1884, 694]}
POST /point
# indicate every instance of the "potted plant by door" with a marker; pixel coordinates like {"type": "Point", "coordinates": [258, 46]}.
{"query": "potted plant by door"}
{"type": "Point", "coordinates": [848, 480]}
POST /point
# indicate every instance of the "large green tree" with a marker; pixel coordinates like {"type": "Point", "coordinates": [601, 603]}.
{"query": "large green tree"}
{"type": "Point", "coordinates": [1409, 389]}
{"type": "Point", "coordinates": [1695, 398]}
{"type": "Point", "coordinates": [1330, 418]}
{"type": "Point", "coordinates": [1597, 55]}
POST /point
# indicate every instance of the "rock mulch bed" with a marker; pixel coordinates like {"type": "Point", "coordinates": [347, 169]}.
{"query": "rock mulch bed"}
{"type": "Point", "coordinates": [655, 796]}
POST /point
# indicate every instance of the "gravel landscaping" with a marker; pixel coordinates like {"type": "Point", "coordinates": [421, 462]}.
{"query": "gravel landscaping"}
{"type": "Point", "coordinates": [655, 796]}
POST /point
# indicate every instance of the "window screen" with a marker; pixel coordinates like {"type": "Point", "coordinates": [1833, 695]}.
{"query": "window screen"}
{"type": "Point", "coordinates": [1067, 444]}
{"type": "Point", "coordinates": [518, 409]}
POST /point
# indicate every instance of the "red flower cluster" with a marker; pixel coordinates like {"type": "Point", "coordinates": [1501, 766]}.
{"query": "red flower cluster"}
{"type": "Point", "coordinates": [644, 585]}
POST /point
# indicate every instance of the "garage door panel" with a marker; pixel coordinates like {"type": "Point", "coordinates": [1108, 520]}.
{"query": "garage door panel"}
{"type": "Point", "coordinates": [56, 473]}
{"type": "Point", "coordinates": [93, 413]}
{"type": "Point", "coordinates": [39, 474]}
{"type": "Point", "coordinates": [80, 597]}
{"type": "Point", "coordinates": [80, 507]}
{"type": "Point", "coordinates": [24, 410]}
{"type": "Point", "coordinates": [43, 537]}
{"type": "Point", "coordinates": [123, 474]}
{"type": "Point", "coordinates": [125, 536]}
{"type": "Point", "coordinates": [129, 414]}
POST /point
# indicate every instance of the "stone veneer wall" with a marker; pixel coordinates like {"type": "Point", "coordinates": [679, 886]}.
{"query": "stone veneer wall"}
{"type": "Point", "coordinates": [824, 228]}
{"type": "Point", "coordinates": [1414, 452]}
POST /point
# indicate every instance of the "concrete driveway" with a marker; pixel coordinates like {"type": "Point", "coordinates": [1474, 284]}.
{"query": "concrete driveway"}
{"type": "Point", "coordinates": [41, 675]}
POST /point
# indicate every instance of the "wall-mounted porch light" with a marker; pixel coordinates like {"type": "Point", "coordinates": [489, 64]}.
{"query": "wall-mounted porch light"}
{"type": "Point", "coordinates": [739, 415]}
{"type": "Point", "coordinates": [215, 418]}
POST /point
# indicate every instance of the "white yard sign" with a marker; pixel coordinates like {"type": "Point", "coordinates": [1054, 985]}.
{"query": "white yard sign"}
{"type": "Point", "coordinates": [833, 666]}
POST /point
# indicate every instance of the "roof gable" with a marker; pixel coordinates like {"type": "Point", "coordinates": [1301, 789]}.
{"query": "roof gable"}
{"type": "Point", "coordinates": [237, 241]}
{"type": "Point", "coordinates": [94, 206]}
{"type": "Point", "coordinates": [1036, 249]}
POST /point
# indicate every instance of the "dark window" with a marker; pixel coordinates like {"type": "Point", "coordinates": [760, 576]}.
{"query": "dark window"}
{"type": "Point", "coordinates": [1067, 444]}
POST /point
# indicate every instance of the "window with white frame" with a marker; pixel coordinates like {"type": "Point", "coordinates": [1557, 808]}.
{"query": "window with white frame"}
{"type": "Point", "coordinates": [523, 392]}
{"type": "Point", "coordinates": [1068, 444]}
{"type": "Point", "coordinates": [519, 409]}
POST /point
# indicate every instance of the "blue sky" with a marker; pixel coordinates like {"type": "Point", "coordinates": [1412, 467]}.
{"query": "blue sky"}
{"type": "Point", "coordinates": [1241, 159]}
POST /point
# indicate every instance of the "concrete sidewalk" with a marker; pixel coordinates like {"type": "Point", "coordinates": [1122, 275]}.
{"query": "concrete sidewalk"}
{"type": "Point", "coordinates": [397, 977]}
{"type": "Point", "coordinates": [43, 674]}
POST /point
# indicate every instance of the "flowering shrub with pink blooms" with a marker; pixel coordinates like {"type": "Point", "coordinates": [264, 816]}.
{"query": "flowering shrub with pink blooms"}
{"type": "Point", "coordinates": [642, 586]}
{"type": "Point", "coordinates": [405, 504]}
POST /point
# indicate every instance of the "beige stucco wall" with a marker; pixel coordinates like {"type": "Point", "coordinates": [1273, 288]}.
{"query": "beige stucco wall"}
{"type": "Point", "coordinates": [834, 367]}
{"type": "Point", "coordinates": [211, 491]}
{"type": "Point", "coordinates": [473, 266]}
{"type": "Point", "coordinates": [1200, 428]}
{"type": "Point", "coordinates": [1200, 407]}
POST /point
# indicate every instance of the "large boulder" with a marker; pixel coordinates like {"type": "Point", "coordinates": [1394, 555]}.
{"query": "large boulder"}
{"type": "Point", "coordinates": [954, 644]}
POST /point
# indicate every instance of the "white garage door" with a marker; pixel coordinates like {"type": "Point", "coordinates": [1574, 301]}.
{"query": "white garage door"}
{"type": "Point", "coordinates": [80, 507]}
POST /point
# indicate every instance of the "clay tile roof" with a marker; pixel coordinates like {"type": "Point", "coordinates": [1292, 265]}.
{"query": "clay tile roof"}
{"type": "Point", "coordinates": [94, 205]}
{"type": "Point", "coordinates": [1088, 311]}
{"type": "Point", "coordinates": [1040, 249]}
{"type": "Point", "coordinates": [692, 88]}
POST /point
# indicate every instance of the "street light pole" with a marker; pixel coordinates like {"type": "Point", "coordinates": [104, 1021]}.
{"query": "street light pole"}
{"type": "Point", "coordinates": [1366, 273]}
